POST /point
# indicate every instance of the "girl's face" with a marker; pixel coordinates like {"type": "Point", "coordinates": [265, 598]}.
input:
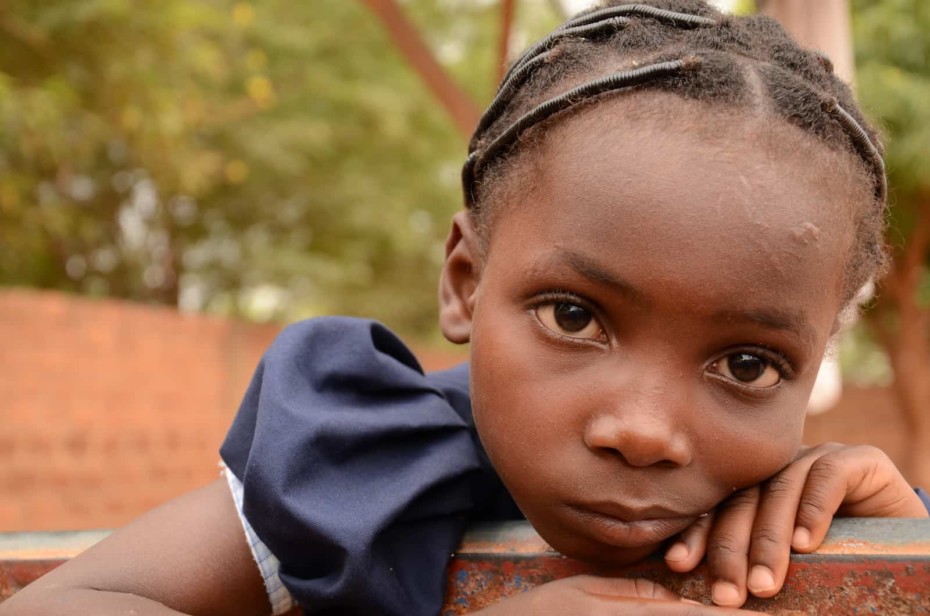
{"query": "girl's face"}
{"type": "Point", "coordinates": [647, 323]}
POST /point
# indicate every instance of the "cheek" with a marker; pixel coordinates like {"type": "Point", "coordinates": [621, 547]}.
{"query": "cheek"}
{"type": "Point", "coordinates": [524, 412]}
{"type": "Point", "coordinates": [740, 449]}
{"type": "Point", "coordinates": [499, 373]}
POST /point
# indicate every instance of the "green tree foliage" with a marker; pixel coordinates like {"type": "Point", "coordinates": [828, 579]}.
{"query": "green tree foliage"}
{"type": "Point", "coordinates": [272, 159]}
{"type": "Point", "coordinates": [893, 73]}
{"type": "Point", "coordinates": [280, 159]}
{"type": "Point", "coordinates": [893, 62]}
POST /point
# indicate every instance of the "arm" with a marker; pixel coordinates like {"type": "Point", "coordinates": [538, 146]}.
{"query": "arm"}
{"type": "Point", "coordinates": [189, 556]}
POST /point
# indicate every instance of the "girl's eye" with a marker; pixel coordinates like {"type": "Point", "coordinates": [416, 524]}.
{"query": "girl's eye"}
{"type": "Point", "coordinates": [570, 320]}
{"type": "Point", "coordinates": [748, 369]}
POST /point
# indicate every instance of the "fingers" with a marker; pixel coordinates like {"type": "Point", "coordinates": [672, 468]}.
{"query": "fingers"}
{"type": "Point", "coordinates": [749, 544]}
{"type": "Point", "coordinates": [822, 495]}
{"type": "Point", "coordinates": [798, 504]}
{"type": "Point", "coordinates": [613, 587]}
{"type": "Point", "coordinates": [858, 481]}
{"type": "Point", "coordinates": [772, 533]}
{"type": "Point", "coordinates": [644, 607]}
{"type": "Point", "coordinates": [775, 527]}
{"type": "Point", "coordinates": [647, 596]}
{"type": "Point", "coordinates": [688, 550]}
{"type": "Point", "coordinates": [728, 547]}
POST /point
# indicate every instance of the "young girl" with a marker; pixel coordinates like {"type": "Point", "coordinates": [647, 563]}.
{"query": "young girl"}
{"type": "Point", "coordinates": [668, 211]}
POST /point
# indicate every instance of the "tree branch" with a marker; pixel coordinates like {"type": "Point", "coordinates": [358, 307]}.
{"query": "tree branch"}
{"type": "Point", "coordinates": [407, 38]}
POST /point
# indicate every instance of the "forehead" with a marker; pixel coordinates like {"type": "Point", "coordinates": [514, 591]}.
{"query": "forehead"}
{"type": "Point", "coordinates": [687, 196]}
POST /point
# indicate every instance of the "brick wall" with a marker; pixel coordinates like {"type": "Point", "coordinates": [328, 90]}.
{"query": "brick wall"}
{"type": "Point", "coordinates": [108, 408]}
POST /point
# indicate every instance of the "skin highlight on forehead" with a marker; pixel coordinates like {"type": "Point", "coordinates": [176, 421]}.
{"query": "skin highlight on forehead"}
{"type": "Point", "coordinates": [639, 121]}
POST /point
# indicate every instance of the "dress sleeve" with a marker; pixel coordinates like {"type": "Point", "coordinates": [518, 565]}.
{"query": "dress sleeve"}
{"type": "Point", "coordinates": [924, 498]}
{"type": "Point", "coordinates": [358, 473]}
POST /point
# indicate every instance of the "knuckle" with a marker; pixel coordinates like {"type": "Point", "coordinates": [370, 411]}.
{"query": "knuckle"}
{"type": "Point", "coordinates": [870, 452]}
{"type": "Point", "coordinates": [741, 501]}
{"type": "Point", "coordinates": [814, 502]}
{"type": "Point", "coordinates": [780, 485]}
{"type": "Point", "coordinates": [725, 546]}
{"type": "Point", "coordinates": [768, 536]}
{"type": "Point", "coordinates": [824, 469]}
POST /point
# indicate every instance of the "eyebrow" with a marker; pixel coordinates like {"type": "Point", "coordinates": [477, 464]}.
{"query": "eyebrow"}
{"type": "Point", "coordinates": [773, 319]}
{"type": "Point", "coordinates": [768, 318]}
{"type": "Point", "coordinates": [591, 270]}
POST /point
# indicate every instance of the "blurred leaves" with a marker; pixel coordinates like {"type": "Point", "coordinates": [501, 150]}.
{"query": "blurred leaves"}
{"type": "Point", "coordinates": [271, 160]}
{"type": "Point", "coordinates": [279, 159]}
{"type": "Point", "coordinates": [893, 71]}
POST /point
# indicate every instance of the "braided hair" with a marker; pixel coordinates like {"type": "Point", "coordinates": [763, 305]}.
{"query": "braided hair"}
{"type": "Point", "coordinates": [688, 48]}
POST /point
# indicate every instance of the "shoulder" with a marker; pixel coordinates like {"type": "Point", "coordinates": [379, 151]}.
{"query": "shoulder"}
{"type": "Point", "coordinates": [340, 380]}
{"type": "Point", "coordinates": [347, 343]}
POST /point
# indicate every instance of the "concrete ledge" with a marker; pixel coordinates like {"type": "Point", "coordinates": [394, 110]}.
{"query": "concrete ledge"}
{"type": "Point", "coordinates": [866, 566]}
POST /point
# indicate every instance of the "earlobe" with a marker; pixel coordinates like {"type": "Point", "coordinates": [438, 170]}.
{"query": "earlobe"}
{"type": "Point", "coordinates": [458, 284]}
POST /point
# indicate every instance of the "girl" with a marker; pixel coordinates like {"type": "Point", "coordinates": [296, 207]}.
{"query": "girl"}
{"type": "Point", "coordinates": [668, 211]}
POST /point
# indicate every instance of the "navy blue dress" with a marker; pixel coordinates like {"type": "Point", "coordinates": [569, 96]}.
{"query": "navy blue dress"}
{"type": "Point", "coordinates": [360, 473]}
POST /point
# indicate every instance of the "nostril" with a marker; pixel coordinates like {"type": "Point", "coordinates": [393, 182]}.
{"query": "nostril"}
{"type": "Point", "coordinates": [637, 444]}
{"type": "Point", "coordinates": [637, 462]}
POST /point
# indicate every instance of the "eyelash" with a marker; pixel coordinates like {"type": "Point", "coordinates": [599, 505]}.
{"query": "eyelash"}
{"type": "Point", "coordinates": [775, 358]}
{"type": "Point", "coordinates": [562, 296]}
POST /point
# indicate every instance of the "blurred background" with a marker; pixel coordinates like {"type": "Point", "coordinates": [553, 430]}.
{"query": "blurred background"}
{"type": "Point", "coordinates": [180, 179]}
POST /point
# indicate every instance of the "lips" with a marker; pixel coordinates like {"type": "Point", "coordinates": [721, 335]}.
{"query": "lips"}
{"type": "Point", "coordinates": [622, 526]}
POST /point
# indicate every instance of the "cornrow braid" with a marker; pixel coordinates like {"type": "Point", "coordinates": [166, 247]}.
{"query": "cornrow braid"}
{"type": "Point", "coordinates": [688, 48]}
{"type": "Point", "coordinates": [615, 81]}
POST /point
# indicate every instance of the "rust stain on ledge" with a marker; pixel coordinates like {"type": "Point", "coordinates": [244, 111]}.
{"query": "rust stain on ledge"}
{"type": "Point", "coordinates": [866, 566]}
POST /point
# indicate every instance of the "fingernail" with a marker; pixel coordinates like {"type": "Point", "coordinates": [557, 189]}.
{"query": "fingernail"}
{"type": "Point", "coordinates": [691, 601]}
{"type": "Point", "coordinates": [801, 537]}
{"type": "Point", "coordinates": [725, 594]}
{"type": "Point", "coordinates": [677, 552]}
{"type": "Point", "coordinates": [761, 578]}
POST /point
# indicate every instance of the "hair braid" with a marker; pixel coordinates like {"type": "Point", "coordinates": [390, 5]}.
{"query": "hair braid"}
{"type": "Point", "coordinates": [688, 48]}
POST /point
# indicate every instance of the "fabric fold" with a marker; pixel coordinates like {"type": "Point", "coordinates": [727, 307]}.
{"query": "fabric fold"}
{"type": "Point", "coordinates": [359, 471]}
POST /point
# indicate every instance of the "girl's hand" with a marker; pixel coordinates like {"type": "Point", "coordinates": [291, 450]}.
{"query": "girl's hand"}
{"type": "Point", "coordinates": [601, 596]}
{"type": "Point", "coordinates": [749, 538]}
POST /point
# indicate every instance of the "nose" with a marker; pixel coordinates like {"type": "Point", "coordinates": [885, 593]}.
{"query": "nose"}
{"type": "Point", "coordinates": [643, 428]}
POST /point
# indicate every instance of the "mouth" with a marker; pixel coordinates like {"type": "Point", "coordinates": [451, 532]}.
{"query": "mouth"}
{"type": "Point", "coordinates": [623, 527]}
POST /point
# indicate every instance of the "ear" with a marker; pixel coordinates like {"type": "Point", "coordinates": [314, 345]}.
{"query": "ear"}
{"type": "Point", "coordinates": [458, 284]}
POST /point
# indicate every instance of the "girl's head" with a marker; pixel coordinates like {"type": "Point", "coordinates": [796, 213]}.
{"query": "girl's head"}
{"type": "Point", "coordinates": [650, 268]}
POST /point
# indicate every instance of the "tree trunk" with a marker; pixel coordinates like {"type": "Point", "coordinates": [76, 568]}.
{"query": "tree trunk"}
{"type": "Point", "coordinates": [907, 342]}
